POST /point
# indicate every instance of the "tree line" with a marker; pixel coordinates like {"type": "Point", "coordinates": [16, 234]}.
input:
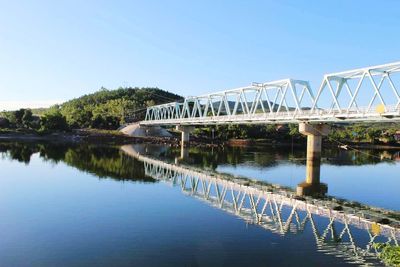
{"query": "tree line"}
{"type": "Point", "coordinates": [355, 133]}
{"type": "Point", "coordinates": [105, 109]}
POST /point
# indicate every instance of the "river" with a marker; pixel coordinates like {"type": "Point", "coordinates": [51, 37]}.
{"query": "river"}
{"type": "Point", "coordinates": [145, 205]}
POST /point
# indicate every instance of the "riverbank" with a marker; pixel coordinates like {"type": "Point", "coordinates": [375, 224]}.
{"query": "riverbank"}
{"type": "Point", "coordinates": [76, 136]}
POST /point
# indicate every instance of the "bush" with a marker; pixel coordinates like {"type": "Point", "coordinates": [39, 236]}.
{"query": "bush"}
{"type": "Point", "coordinates": [390, 254]}
{"type": "Point", "coordinates": [4, 123]}
{"type": "Point", "coordinates": [53, 121]}
{"type": "Point", "coordinates": [105, 122]}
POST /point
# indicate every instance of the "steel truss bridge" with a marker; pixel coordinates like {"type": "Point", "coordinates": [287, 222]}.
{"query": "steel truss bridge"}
{"type": "Point", "coordinates": [279, 212]}
{"type": "Point", "coordinates": [366, 94]}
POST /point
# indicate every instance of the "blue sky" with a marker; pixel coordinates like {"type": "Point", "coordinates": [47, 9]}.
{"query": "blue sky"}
{"type": "Point", "coordinates": [56, 50]}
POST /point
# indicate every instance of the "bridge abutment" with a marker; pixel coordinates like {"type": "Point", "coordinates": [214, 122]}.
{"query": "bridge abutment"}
{"type": "Point", "coordinates": [312, 184]}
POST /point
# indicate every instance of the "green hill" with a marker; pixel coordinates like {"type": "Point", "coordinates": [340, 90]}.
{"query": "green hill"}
{"type": "Point", "coordinates": [111, 108]}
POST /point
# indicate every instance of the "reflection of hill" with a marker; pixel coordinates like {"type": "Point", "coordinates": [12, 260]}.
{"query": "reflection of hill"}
{"type": "Point", "coordinates": [106, 162]}
{"type": "Point", "coordinates": [102, 161]}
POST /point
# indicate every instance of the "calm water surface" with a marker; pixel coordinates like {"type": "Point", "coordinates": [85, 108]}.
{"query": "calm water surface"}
{"type": "Point", "coordinates": [86, 205]}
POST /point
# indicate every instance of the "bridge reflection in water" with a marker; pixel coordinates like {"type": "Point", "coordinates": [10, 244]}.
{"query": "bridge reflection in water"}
{"type": "Point", "coordinates": [343, 232]}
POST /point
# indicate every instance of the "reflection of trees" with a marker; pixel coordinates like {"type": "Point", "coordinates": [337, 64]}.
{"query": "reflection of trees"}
{"type": "Point", "coordinates": [107, 161]}
{"type": "Point", "coordinates": [269, 156]}
{"type": "Point", "coordinates": [53, 153]}
{"type": "Point", "coordinates": [18, 151]}
{"type": "Point", "coordinates": [102, 161]}
{"type": "Point", "coordinates": [355, 157]}
{"type": "Point", "coordinates": [204, 157]}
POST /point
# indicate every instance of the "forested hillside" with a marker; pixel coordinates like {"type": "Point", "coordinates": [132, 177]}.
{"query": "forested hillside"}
{"type": "Point", "coordinates": [108, 109]}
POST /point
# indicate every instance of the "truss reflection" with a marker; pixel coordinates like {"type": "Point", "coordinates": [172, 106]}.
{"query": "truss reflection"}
{"type": "Point", "coordinates": [347, 233]}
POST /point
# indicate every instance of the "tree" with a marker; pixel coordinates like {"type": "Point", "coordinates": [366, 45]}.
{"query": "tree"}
{"type": "Point", "coordinates": [150, 103]}
{"type": "Point", "coordinates": [18, 115]}
{"type": "Point", "coordinates": [373, 134]}
{"type": "Point", "coordinates": [358, 132]}
{"type": "Point", "coordinates": [4, 123]}
{"type": "Point", "coordinates": [294, 130]}
{"type": "Point", "coordinates": [15, 117]}
{"type": "Point", "coordinates": [27, 118]}
{"type": "Point", "coordinates": [105, 122]}
{"type": "Point", "coordinates": [53, 121]}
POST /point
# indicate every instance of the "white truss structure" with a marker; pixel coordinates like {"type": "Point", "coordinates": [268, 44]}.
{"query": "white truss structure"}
{"type": "Point", "coordinates": [367, 94]}
{"type": "Point", "coordinates": [278, 212]}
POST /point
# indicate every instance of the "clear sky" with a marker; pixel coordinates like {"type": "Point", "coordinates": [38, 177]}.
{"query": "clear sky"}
{"type": "Point", "coordinates": [56, 50]}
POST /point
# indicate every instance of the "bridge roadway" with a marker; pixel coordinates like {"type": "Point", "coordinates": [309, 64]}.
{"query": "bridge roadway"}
{"type": "Point", "coordinates": [362, 95]}
{"type": "Point", "coordinates": [278, 211]}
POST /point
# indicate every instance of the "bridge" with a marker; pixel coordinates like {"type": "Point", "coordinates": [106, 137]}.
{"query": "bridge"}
{"type": "Point", "coordinates": [278, 210]}
{"type": "Point", "coordinates": [362, 95]}
{"type": "Point", "coordinates": [366, 94]}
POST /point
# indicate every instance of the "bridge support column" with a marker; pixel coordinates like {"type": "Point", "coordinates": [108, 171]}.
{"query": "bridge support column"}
{"type": "Point", "coordinates": [184, 152]}
{"type": "Point", "coordinates": [185, 130]}
{"type": "Point", "coordinates": [312, 184]}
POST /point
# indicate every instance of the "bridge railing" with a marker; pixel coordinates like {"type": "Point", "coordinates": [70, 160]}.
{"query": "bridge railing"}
{"type": "Point", "coordinates": [362, 94]}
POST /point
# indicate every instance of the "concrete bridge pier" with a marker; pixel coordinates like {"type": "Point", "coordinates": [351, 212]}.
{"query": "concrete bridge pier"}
{"type": "Point", "coordinates": [184, 152]}
{"type": "Point", "coordinates": [185, 130]}
{"type": "Point", "coordinates": [312, 184]}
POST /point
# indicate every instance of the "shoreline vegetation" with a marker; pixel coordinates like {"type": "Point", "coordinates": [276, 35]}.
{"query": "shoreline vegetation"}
{"type": "Point", "coordinates": [114, 137]}
{"type": "Point", "coordinates": [97, 117]}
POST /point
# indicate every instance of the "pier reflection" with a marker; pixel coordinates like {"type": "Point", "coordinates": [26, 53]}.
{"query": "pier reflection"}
{"type": "Point", "coordinates": [312, 185]}
{"type": "Point", "coordinates": [343, 230]}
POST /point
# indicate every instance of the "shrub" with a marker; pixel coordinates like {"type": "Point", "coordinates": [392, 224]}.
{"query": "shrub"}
{"type": "Point", "coordinates": [390, 254]}
{"type": "Point", "coordinates": [4, 123]}
{"type": "Point", "coordinates": [53, 121]}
